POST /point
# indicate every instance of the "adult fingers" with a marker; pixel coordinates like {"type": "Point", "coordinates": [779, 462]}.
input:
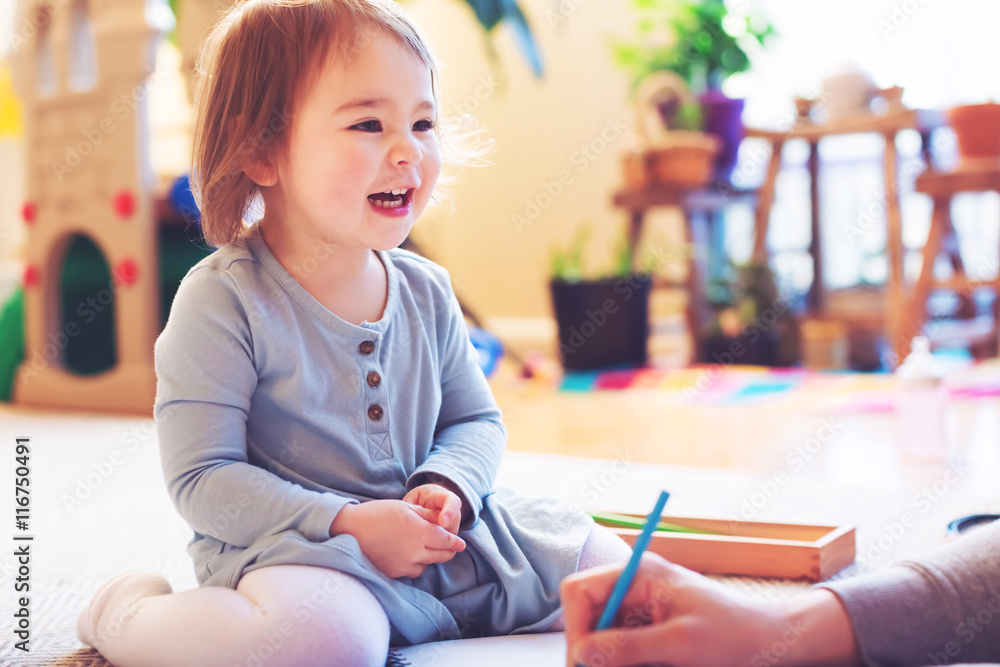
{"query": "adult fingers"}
{"type": "Point", "coordinates": [619, 647]}
{"type": "Point", "coordinates": [583, 597]}
{"type": "Point", "coordinates": [585, 594]}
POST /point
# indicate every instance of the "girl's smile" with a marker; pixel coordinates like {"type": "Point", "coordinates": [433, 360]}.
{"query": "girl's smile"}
{"type": "Point", "coordinates": [395, 203]}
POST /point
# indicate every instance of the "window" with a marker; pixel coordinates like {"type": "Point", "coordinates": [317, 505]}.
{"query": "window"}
{"type": "Point", "coordinates": [82, 54]}
{"type": "Point", "coordinates": [46, 78]}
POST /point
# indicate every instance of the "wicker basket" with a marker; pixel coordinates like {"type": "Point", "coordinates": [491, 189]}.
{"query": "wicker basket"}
{"type": "Point", "coordinates": [687, 161]}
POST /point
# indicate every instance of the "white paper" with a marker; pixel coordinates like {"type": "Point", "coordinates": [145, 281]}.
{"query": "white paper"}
{"type": "Point", "coordinates": [540, 650]}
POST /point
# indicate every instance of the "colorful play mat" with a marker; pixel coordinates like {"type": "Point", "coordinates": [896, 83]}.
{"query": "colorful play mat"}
{"type": "Point", "coordinates": [789, 387]}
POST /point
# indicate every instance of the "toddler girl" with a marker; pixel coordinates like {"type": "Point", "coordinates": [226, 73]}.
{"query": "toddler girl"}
{"type": "Point", "coordinates": [324, 426]}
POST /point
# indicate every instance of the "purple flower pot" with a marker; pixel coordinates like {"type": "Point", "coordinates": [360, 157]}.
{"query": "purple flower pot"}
{"type": "Point", "coordinates": [722, 116]}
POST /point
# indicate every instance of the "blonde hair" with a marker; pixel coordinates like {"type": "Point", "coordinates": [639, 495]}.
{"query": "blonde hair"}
{"type": "Point", "coordinates": [254, 66]}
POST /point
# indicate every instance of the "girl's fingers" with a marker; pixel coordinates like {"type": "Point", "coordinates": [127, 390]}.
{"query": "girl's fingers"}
{"type": "Point", "coordinates": [451, 512]}
{"type": "Point", "coordinates": [439, 538]}
{"type": "Point", "coordinates": [443, 507]}
{"type": "Point", "coordinates": [424, 513]}
{"type": "Point", "coordinates": [436, 556]}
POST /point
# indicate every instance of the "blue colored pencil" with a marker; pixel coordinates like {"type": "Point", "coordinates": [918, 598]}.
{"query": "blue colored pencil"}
{"type": "Point", "coordinates": [628, 574]}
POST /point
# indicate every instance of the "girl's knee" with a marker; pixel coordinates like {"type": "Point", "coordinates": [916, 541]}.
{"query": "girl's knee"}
{"type": "Point", "coordinates": [603, 547]}
{"type": "Point", "coordinates": [331, 619]}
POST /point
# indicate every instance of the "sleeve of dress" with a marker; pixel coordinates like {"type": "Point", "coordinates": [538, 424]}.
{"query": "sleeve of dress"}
{"type": "Point", "coordinates": [205, 380]}
{"type": "Point", "coordinates": [943, 608]}
{"type": "Point", "coordinates": [470, 436]}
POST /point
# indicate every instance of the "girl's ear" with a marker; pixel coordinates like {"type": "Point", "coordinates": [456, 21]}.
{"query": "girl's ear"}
{"type": "Point", "coordinates": [260, 168]}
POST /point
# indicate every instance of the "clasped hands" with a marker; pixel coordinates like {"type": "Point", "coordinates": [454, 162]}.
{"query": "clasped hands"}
{"type": "Point", "coordinates": [402, 537]}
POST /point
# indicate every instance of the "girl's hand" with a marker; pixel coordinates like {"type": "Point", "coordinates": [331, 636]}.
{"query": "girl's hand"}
{"type": "Point", "coordinates": [445, 505]}
{"type": "Point", "coordinates": [676, 616]}
{"type": "Point", "coordinates": [399, 538]}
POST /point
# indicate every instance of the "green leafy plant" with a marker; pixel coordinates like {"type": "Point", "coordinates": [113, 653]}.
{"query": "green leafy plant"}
{"type": "Point", "coordinates": [741, 294]}
{"type": "Point", "coordinates": [688, 117]}
{"type": "Point", "coordinates": [568, 264]}
{"type": "Point", "coordinates": [747, 304]}
{"type": "Point", "coordinates": [623, 261]}
{"type": "Point", "coordinates": [701, 41]}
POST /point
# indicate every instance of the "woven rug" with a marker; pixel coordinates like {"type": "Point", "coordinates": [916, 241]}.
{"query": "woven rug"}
{"type": "Point", "coordinates": [99, 507]}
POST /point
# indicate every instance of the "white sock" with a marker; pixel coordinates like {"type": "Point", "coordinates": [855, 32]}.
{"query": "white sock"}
{"type": "Point", "coordinates": [116, 603]}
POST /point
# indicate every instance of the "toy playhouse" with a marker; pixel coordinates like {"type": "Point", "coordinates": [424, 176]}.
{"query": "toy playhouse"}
{"type": "Point", "coordinates": [104, 253]}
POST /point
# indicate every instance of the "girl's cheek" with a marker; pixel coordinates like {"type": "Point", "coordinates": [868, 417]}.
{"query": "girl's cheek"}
{"type": "Point", "coordinates": [432, 155]}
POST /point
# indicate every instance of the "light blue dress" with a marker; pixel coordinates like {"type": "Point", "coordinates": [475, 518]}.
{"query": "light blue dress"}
{"type": "Point", "coordinates": [268, 425]}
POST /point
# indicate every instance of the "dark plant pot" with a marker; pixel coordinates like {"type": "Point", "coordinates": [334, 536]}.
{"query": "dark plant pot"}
{"type": "Point", "coordinates": [602, 323]}
{"type": "Point", "coordinates": [723, 117]}
{"type": "Point", "coordinates": [743, 350]}
{"type": "Point", "coordinates": [977, 129]}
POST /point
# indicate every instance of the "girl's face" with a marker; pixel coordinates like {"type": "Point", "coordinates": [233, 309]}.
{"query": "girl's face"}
{"type": "Point", "coordinates": [360, 133]}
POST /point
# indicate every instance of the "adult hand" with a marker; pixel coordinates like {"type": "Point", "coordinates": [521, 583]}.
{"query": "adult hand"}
{"type": "Point", "coordinates": [676, 616]}
{"type": "Point", "coordinates": [445, 504]}
{"type": "Point", "coordinates": [399, 538]}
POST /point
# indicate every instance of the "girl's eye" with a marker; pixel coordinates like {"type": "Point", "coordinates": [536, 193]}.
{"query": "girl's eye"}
{"type": "Point", "coordinates": [376, 126]}
{"type": "Point", "coordinates": [369, 126]}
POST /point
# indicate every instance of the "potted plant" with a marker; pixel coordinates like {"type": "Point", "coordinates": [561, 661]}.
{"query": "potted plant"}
{"type": "Point", "coordinates": [602, 321]}
{"type": "Point", "coordinates": [670, 148]}
{"type": "Point", "coordinates": [704, 43]}
{"type": "Point", "coordinates": [977, 130]}
{"type": "Point", "coordinates": [751, 323]}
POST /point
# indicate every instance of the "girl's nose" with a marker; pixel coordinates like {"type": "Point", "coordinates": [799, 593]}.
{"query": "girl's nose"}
{"type": "Point", "coordinates": [407, 150]}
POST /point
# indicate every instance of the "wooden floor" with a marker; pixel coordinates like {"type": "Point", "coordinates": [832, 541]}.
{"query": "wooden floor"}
{"type": "Point", "coordinates": [636, 425]}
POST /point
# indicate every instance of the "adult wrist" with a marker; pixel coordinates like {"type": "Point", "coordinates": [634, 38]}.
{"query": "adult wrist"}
{"type": "Point", "coordinates": [817, 631]}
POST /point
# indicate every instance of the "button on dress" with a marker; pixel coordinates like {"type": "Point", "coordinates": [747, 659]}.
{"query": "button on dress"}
{"type": "Point", "coordinates": [273, 413]}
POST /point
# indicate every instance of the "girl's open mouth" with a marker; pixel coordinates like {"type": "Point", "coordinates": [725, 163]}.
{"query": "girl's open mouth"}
{"type": "Point", "coordinates": [396, 204]}
{"type": "Point", "coordinates": [391, 202]}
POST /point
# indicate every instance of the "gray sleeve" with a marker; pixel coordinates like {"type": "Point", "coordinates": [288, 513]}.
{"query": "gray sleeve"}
{"type": "Point", "coordinates": [205, 380]}
{"type": "Point", "coordinates": [470, 436]}
{"type": "Point", "coordinates": [940, 609]}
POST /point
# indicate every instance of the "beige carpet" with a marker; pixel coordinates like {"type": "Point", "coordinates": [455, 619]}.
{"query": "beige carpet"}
{"type": "Point", "coordinates": [99, 507]}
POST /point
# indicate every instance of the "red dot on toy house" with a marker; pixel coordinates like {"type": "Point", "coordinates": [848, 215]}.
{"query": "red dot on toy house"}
{"type": "Point", "coordinates": [29, 211]}
{"type": "Point", "coordinates": [124, 204]}
{"type": "Point", "coordinates": [31, 275]}
{"type": "Point", "coordinates": [127, 271]}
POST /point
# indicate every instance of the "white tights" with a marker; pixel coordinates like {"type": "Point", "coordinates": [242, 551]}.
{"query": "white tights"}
{"type": "Point", "coordinates": [278, 616]}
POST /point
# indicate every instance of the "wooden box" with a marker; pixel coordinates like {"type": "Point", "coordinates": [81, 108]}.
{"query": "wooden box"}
{"type": "Point", "coordinates": [751, 548]}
